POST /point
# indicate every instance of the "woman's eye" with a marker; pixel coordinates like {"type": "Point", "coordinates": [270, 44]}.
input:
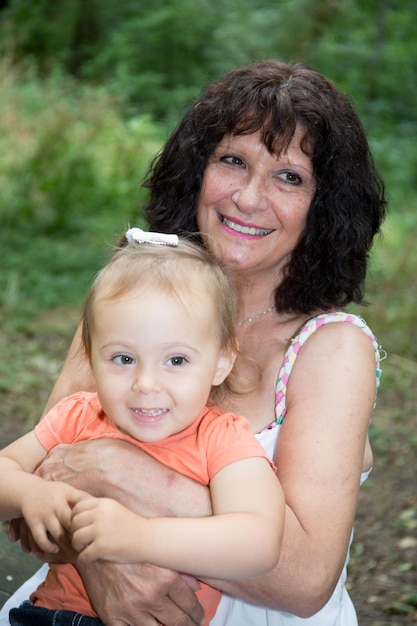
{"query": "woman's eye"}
{"type": "Point", "coordinates": [290, 178]}
{"type": "Point", "coordinates": [177, 361]}
{"type": "Point", "coordinates": [123, 359]}
{"type": "Point", "coordinates": [232, 160]}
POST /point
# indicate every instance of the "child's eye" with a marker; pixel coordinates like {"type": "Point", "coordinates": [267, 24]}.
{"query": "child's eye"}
{"type": "Point", "coordinates": [177, 361]}
{"type": "Point", "coordinates": [123, 359]}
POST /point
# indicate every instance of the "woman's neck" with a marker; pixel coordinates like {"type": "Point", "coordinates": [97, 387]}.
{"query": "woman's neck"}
{"type": "Point", "coordinates": [254, 302]}
{"type": "Point", "coordinates": [262, 347]}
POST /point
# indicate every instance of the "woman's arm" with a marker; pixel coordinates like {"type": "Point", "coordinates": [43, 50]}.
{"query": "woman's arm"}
{"type": "Point", "coordinates": [116, 469]}
{"type": "Point", "coordinates": [248, 511]}
{"type": "Point", "coordinates": [76, 374]}
{"type": "Point", "coordinates": [319, 457]}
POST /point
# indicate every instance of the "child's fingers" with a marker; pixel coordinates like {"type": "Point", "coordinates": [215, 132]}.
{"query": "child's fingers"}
{"type": "Point", "coordinates": [93, 550]}
{"type": "Point", "coordinates": [76, 495]}
{"type": "Point", "coordinates": [44, 540]}
{"type": "Point", "coordinates": [51, 530]}
{"type": "Point", "coordinates": [87, 555]}
{"type": "Point", "coordinates": [82, 536]}
{"type": "Point", "coordinates": [84, 502]}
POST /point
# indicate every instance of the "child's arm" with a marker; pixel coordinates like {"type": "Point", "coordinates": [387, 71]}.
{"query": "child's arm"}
{"type": "Point", "coordinates": [45, 506]}
{"type": "Point", "coordinates": [242, 539]}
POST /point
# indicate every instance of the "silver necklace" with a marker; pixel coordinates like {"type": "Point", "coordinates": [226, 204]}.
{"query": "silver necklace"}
{"type": "Point", "coordinates": [255, 317]}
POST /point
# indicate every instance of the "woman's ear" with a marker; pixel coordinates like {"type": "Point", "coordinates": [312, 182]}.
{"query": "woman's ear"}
{"type": "Point", "coordinates": [225, 364]}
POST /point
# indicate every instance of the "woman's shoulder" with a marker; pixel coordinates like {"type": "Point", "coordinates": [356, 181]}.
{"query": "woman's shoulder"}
{"type": "Point", "coordinates": [345, 333]}
{"type": "Point", "coordinates": [324, 319]}
{"type": "Point", "coordinates": [335, 332]}
{"type": "Point", "coordinates": [342, 328]}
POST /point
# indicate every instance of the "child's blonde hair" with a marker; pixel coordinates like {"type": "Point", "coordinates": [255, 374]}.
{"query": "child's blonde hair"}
{"type": "Point", "coordinates": [184, 269]}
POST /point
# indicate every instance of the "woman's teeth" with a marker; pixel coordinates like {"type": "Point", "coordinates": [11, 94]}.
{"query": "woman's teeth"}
{"type": "Point", "coordinates": [246, 230]}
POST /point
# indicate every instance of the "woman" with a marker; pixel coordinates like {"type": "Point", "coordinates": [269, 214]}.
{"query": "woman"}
{"type": "Point", "coordinates": [272, 167]}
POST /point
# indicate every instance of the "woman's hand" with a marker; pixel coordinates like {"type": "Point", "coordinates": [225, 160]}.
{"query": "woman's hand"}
{"type": "Point", "coordinates": [141, 594]}
{"type": "Point", "coordinates": [75, 464]}
{"type": "Point", "coordinates": [20, 531]}
{"type": "Point", "coordinates": [116, 469]}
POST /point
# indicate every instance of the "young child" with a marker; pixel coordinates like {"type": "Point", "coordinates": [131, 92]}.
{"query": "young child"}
{"type": "Point", "coordinates": [158, 329]}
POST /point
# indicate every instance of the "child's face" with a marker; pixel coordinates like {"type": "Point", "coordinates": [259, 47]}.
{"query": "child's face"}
{"type": "Point", "coordinates": [155, 359]}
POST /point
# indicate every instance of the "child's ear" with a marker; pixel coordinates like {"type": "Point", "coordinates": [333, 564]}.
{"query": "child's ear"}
{"type": "Point", "coordinates": [225, 364]}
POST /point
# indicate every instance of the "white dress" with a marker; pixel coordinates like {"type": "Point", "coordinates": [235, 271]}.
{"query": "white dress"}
{"type": "Point", "coordinates": [339, 610]}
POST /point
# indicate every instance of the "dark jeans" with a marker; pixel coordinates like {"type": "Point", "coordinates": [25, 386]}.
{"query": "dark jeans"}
{"type": "Point", "coordinates": [29, 615]}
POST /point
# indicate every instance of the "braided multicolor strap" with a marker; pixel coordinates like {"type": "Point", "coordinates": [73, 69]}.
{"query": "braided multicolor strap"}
{"type": "Point", "coordinates": [295, 347]}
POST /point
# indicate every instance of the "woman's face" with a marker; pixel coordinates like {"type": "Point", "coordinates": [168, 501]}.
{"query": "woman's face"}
{"type": "Point", "coordinates": [253, 205]}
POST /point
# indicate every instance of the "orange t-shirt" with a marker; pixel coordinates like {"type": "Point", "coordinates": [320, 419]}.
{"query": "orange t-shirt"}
{"type": "Point", "coordinates": [214, 440]}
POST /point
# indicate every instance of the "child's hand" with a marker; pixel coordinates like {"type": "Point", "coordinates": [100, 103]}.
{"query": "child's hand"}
{"type": "Point", "coordinates": [104, 529]}
{"type": "Point", "coordinates": [47, 512]}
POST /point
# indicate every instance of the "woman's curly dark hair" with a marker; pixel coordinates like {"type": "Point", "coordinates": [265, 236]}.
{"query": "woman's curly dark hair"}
{"type": "Point", "coordinates": [327, 268]}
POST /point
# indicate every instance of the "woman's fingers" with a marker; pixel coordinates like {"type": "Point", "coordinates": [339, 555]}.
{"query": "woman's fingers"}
{"type": "Point", "coordinates": [140, 594]}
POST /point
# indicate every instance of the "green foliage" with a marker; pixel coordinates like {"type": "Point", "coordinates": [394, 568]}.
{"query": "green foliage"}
{"type": "Point", "coordinates": [407, 520]}
{"type": "Point", "coordinates": [160, 53]}
{"type": "Point", "coordinates": [391, 284]}
{"type": "Point", "coordinates": [156, 55]}
{"type": "Point", "coordinates": [70, 175]}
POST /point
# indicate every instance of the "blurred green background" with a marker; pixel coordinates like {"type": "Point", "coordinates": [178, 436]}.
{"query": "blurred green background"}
{"type": "Point", "coordinates": [90, 90]}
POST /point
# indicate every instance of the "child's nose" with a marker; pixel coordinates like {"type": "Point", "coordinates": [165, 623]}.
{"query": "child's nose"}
{"type": "Point", "coordinates": [146, 380]}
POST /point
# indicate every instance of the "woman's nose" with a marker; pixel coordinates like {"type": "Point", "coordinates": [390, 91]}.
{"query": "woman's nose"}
{"type": "Point", "coordinates": [251, 195]}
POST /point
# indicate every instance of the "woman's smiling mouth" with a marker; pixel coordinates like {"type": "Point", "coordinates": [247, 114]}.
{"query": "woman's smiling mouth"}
{"type": "Point", "coordinates": [245, 230]}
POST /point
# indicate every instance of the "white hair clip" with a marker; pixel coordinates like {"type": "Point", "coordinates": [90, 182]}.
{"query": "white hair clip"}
{"type": "Point", "coordinates": [141, 236]}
